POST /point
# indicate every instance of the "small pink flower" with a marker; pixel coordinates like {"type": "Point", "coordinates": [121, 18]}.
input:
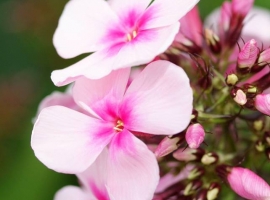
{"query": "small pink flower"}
{"type": "Point", "coordinates": [262, 103]}
{"type": "Point", "coordinates": [247, 184]}
{"type": "Point", "coordinates": [158, 101]}
{"type": "Point", "coordinates": [195, 135]}
{"type": "Point", "coordinates": [121, 33]}
{"type": "Point", "coordinates": [248, 55]}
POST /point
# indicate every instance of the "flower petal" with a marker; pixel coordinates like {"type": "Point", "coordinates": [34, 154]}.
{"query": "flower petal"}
{"type": "Point", "coordinates": [164, 13]}
{"type": "Point", "coordinates": [145, 47]}
{"type": "Point", "coordinates": [68, 141]}
{"type": "Point", "coordinates": [73, 193]}
{"type": "Point", "coordinates": [158, 101]}
{"type": "Point", "coordinates": [133, 173]}
{"type": "Point", "coordinates": [95, 177]}
{"type": "Point", "coordinates": [90, 91]}
{"type": "Point", "coordinates": [82, 26]}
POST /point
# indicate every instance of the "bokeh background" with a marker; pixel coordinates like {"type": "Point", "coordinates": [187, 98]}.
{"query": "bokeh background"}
{"type": "Point", "coordinates": [27, 58]}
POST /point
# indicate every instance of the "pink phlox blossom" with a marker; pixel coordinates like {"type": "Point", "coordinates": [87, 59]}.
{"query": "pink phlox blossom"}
{"type": "Point", "coordinates": [121, 34]}
{"type": "Point", "coordinates": [158, 101]}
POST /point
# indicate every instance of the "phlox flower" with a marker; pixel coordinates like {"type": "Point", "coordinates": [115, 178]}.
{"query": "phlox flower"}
{"type": "Point", "coordinates": [158, 101]}
{"type": "Point", "coordinates": [121, 34]}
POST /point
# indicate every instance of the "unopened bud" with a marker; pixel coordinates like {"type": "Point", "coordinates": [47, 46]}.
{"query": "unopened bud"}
{"type": "Point", "coordinates": [192, 187]}
{"type": "Point", "coordinates": [195, 135]}
{"type": "Point", "coordinates": [250, 90]}
{"type": "Point", "coordinates": [201, 195]}
{"type": "Point", "coordinates": [195, 173]}
{"type": "Point", "coordinates": [247, 56]}
{"type": "Point", "coordinates": [239, 96]}
{"type": "Point", "coordinates": [212, 41]}
{"type": "Point", "coordinates": [231, 79]}
{"type": "Point", "coordinates": [209, 158]}
{"type": "Point", "coordinates": [167, 146]}
{"type": "Point", "coordinates": [258, 125]}
{"type": "Point", "coordinates": [264, 58]}
{"type": "Point", "coordinates": [188, 154]}
{"type": "Point", "coordinates": [260, 146]}
{"type": "Point", "coordinates": [213, 191]}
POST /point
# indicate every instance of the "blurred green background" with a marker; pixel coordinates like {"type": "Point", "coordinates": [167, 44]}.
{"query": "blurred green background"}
{"type": "Point", "coordinates": [26, 60]}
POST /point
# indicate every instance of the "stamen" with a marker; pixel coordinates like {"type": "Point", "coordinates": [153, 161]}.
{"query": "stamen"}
{"type": "Point", "coordinates": [134, 34]}
{"type": "Point", "coordinates": [119, 126]}
{"type": "Point", "coordinates": [129, 38]}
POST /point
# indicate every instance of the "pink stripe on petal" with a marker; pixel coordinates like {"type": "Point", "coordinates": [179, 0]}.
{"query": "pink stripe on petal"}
{"type": "Point", "coordinates": [68, 141]}
{"type": "Point", "coordinates": [133, 173]}
{"type": "Point", "coordinates": [158, 101]}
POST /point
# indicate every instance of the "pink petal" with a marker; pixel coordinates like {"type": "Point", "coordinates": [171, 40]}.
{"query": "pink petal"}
{"type": "Point", "coordinates": [262, 103]}
{"type": "Point", "coordinates": [164, 13]}
{"type": "Point", "coordinates": [82, 26]}
{"type": "Point", "coordinates": [158, 101]}
{"type": "Point", "coordinates": [68, 141]}
{"type": "Point", "coordinates": [94, 178]}
{"type": "Point", "coordinates": [133, 173]}
{"type": "Point", "coordinates": [248, 184]}
{"type": "Point", "coordinates": [90, 91]}
{"type": "Point", "coordinates": [144, 48]}
{"type": "Point", "coordinates": [73, 193]}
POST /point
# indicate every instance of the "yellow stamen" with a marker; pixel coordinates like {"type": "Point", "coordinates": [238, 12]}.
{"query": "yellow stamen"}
{"type": "Point", "coordinates": [134, 34]}
{"type": "Point", "coordinates": [129, 38]}
{"type": "Point", "coordinates": [119, 126]}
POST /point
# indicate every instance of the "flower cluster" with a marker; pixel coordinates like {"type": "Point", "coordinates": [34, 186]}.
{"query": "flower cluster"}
{"type": "Point", "coordinates": [160, 95]}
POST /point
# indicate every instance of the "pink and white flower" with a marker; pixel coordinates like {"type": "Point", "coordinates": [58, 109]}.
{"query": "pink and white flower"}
{"type": "Point", "coordinates": [247, 184]}
{"type": "Point", "coordinates": [121, 33]}
{"type": "Point", "coordinates": [158, 101]}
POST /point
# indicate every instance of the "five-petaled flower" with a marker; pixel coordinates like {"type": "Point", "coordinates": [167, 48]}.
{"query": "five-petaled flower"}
{"type": "Point", "coordinates": [158, 101]}
{"type": "Point", "coordinates": [121, 34]}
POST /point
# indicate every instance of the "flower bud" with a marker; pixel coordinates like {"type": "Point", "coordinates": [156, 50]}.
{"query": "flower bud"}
{"type": "Point", "coordinates": [195, 135]}
{"type": "Point", "coordinates": [196, 172]}
{"type": "Point", "coordinates": [213, 191]}
{"type": "Point", "coordinates": [201, 195]}
{"type": "Point", "coordinates": [212, 41]}
{"type": "Point", "coordinates": [167, 146]}
{"type": "Point", "coordinates": [192, 187]}
{"type": "Point", "coordinates": [250, 90]}
{"type": "Point", "coordinates": [231, 79]}
{"type": "Point", "coordinates": [209, 158]}
{"type": "Point", "coordinates": [188, 154]}
{"type": "Point", "coordinates": [247, 56]}
{"type": "Point", "coordinates": [247, 184]}
{"type": "Point", "coordinates": [262, 103]}
{"type": "Point", "coordinates": [239, 96]}
{"type": "Point", "coordinates": [259, 146]}
{"type": "Point", "coordinates": [264, 57]}
{"type": "Point", "coordinates": [258, 125]}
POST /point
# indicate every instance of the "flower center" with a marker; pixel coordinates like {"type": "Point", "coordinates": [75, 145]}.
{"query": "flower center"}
{"type": "Point", "coordinates": [131, 36]}
{"type": "Point", "coordinates": [119, 126]}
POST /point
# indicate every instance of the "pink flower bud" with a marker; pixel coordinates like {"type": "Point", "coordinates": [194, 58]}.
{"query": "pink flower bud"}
{"type": "Point", "coordinates": [225, 16]}
{"type": "Point", "coordinates": [262, 103]}
{"type": "Point", "coordinates": [188, 154]}
{"type": "Point", "coordinates": [240, 97]}
{"type": "Point", "coordinates": [242, 7]}
{"type": "Point", "coordinates": [247, 56]}
{"type": "Point", "coordinates": [167, 146]}
{"type": "Point", "coordinates": [247, 184]}
{"type": "Point", "coordinates": [195, 135]}
{"type": "Point", "coordinates": [264, 57]}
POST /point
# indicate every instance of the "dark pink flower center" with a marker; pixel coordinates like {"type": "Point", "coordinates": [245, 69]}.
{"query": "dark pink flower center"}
{"type": "Point", "coordinates": [119, 126]}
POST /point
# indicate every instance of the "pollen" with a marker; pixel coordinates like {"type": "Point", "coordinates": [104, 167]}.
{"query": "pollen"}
{"type": "Point", "coordinates": [119, 126]}
{"type": "Point", "coordinates": [131, 36]}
